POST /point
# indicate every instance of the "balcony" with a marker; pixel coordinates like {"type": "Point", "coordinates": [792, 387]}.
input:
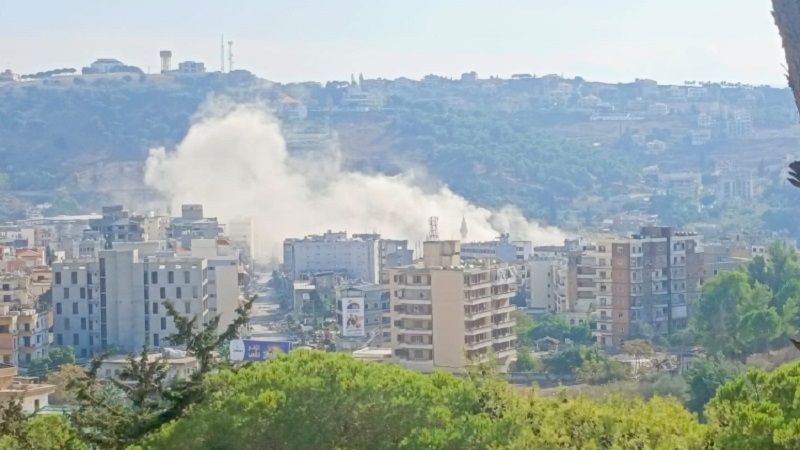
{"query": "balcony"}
{"type": "Point", "coordinates": [477, 314]}
{"type": "Point", "coordinates": [479, 329]}
{"type": "Point", "coordinates": [504, 324]}
{"type": "Point", "coordinates": [505, 338]}
{"type": "Point", "coordinates": [477, 300]}
{"type": "Point", "coordinates": [505, 352]}
{"type": "Point", "coordinates": [504, 309]}
{"type": "Point", "coordinates": [479, 344]}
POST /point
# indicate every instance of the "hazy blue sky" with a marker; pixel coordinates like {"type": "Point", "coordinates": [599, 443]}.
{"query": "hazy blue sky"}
{"type": "Point", "coordinates": [292, 40]}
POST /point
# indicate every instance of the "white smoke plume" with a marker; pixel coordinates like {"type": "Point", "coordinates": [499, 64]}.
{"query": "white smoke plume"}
{"type": "Point", "coordinates": [236, 164]}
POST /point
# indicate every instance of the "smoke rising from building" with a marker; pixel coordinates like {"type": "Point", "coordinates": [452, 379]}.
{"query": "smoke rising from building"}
{"type": "Point", "coordinates": [236, 164]}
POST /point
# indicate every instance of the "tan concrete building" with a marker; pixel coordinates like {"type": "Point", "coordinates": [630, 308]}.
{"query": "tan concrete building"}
{"type": "Point", "coordinates": [32, 395]}
{"type": "Point", "coordinates": [448, 315]}
{"type": "Point", "coordinates": [655, 277]}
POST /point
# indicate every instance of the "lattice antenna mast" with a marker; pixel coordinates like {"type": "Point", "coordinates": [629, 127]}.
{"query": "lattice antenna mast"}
{"type": "Point", "coordinates": [433, 228]}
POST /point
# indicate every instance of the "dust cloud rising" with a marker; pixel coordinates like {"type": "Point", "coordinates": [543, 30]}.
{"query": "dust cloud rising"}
{"type": "Point", "coordinates": [236, 164]}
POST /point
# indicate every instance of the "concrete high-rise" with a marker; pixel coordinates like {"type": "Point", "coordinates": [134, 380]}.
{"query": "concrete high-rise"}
{"type": "Point", "coordinates": [449, 315]}
{"type": "Point", "coordinates": [117, 300]}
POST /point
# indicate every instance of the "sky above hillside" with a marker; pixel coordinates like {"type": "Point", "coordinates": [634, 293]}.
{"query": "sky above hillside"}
{"type": "Point", "coordinates": [297, 40]}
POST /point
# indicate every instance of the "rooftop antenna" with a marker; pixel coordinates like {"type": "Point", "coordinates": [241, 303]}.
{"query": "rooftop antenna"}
{"type": "Point", "coordinates": [222, 53]}
{"type": "Point", "coordinates": [230, 56]}
{"type": "Point", "coordinates": [433, 228]}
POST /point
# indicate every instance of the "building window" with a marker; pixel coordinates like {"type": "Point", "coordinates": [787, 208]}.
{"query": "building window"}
{"type": "Point", "coordinates": [155, 308]}
{"type": "Point", "coordinates": [89, 294]}
{"type": "Point", "coordinates": [73, 277]}
{"type": "Point", "coordinates": [66, 323]}
{"type": "Point", "coordinates": [90, 308]}
{"type": "Point", "coordinates": [66, 293]}
{"type": "Point", "coordinates": [187, 308]}
{"type": "Point", "coordinates": [146, 293]}
{"type": "Point", "coordinates": [186, 277]}
{"type": "Point", "coordinates": [59, 339]}
{"type": "Point", "coordinates": [74, 307]}
{"type": "Point", "coordinates": [163, 292]}
{"type": "Point", "coordinates": [76, 339]}
{"type": "Point", "coordinates": [83, 323]}
{"type": "Point", "coordinates": [58, 308]}
{"type": "Point", "coordinates": [155, 340]}
{"type": "Point", "coordinates": [154, 277]}
{"type": "Point", "coordinates": [178, 293]}
{"type": "Point", "coordinates": [83, 292]}
{"type": "Point", "coordinates": [163, 323]}
{"type": "Point", "coordinates": [147, 307]}
{"type": "Point", "coordinates": [58, 277]}
{"type": "Point", "coordinates": [171, 277]}
{"type": "Point", "coordinates": [88, 278]}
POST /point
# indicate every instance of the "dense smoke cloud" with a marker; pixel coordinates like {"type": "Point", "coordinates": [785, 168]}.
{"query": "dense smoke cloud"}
{"type": "Point", "coordinates": [236, 164]}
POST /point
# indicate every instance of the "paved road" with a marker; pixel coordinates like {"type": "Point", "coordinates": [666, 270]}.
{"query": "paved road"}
{"type": "Point", "coordinates": [266, 317]}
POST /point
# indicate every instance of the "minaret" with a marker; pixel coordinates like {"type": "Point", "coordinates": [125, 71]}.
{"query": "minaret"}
{"type": "Point", "coordinates": [464, 230]}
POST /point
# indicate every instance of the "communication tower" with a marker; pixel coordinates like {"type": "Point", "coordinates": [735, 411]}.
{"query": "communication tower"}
{"type": "Point", "coordinates": [433, 228]}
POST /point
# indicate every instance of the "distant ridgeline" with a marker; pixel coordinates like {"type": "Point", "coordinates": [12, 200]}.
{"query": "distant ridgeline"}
{"type": "Point", "coordinates": [566, 151]}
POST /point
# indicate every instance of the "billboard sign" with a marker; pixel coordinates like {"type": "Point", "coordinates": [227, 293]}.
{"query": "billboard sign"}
{"type": "Point", "coordinates": [353, 317]}
{"type": "Point", "coordinates": [256, 350]}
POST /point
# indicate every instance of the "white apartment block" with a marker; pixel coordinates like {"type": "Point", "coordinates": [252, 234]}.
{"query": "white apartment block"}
{"type": "Point", "coordinates": [117, 300]}
{"type": "Point", "coordinates": [356, 258]}
{"type": "Point", "coordinates": [548, 284]}
{"type": "Point", "coordinates": [223, 277]}
{"type": "Point", "coordinates": [502, 248]}
{"type": "Point", "coordinates": [448, 315]}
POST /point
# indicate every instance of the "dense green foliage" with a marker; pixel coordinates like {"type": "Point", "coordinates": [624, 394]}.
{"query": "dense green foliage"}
{"type": "Point", "coordinates": [588, 364]}
{"type": "Point", "coordinates": [551, 325]}
{"type": "Point", "coordinates": [56, 357]}
{"type": "Point", "coordinates": [507, 157]}
{"type": "Point", "coordinates": [316, 400]}
{"type": "Point", "coordinates": [42, 432]}
{"type": "Point", "coordinates": [744, 312]}
{"type": "Point", "coordinates": [704, 377]}
{"type": "Point", "coordinates": [758, 410]}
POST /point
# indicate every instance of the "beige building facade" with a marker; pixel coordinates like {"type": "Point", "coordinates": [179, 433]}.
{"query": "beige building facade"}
{"type": "Point", "coordinates": [448, 315]}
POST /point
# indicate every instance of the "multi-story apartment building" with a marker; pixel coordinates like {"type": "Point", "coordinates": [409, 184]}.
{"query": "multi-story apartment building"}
{"type": "Point", "coordinates": [548, 284]}
{"type": "Point", "coordinates": [356, 258]}
{"type": "Point", "coordinates": [223, 277]}
{"type": "Point", "coordinates": [192, 225]}
{"type": "Point", "coordinates": [392, 252]}
{"type": "Point", "coordinates": [375, 298]}
{"type": "Point", "coordinates": [116, 225]}
{"type": "Point", "coordinates": [503, 249]}
{"type": "Point", "coordinates": [450, 315]}
{"type": "Point", "coordinates": [655, 276]}
{"type": "Point", "coordinates": [24, 322]}
{"type": "Point", "coordinates": [118, 299]}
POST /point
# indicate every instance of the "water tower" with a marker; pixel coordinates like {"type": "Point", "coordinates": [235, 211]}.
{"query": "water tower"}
{"type": "Point", "coordinates": [166, 60]}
